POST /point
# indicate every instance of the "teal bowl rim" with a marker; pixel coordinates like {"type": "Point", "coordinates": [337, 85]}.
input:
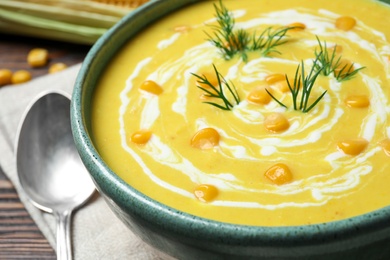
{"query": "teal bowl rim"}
{"type": "Point", "coordinates": [169, 219]}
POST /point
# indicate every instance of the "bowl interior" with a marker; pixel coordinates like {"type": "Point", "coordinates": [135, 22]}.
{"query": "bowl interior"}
{"type": "Point", "coordinates": [164, 217]}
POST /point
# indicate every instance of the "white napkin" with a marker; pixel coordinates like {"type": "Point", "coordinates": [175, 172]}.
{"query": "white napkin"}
{"type": "Point", "coordinates": [96, 232]}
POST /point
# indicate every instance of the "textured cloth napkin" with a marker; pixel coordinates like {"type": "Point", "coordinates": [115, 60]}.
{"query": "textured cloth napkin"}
{"type": "Point", "coordinates": [96, 232]}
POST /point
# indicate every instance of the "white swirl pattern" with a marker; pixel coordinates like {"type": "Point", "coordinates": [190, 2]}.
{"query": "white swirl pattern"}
{"type": "Point", "coordinates": [320, 186]}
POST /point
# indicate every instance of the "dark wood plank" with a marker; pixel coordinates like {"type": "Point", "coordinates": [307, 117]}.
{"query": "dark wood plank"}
{"type": "Point", "coordinates": [20, 238]}
{"type": "Point", "coordinates": [14, 50]}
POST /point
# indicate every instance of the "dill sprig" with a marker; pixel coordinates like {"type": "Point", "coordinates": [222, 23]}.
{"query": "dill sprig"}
{"type": "Point", "coordinates": [269, 39]}
{"type": "Point", "coordinates": [301, 88]}
{"type": "Point", "coordinates": [231, 41]}
{"type": "Point", "coordinates": [329, 63]}
{"type": "Point", "coordinates": [347, 72]}
{"type": "Point", "coordinates": [326, 63]}
{"type": "Point", "coordinates": [218, 91]}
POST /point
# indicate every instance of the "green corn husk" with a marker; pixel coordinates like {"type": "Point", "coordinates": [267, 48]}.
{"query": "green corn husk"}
{"type": "Point", "coordinates": [77, 21]}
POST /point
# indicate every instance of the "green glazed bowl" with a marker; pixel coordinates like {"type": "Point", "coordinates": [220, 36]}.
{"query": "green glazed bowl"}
{"type": "Point", "coordinates": [185, 236]}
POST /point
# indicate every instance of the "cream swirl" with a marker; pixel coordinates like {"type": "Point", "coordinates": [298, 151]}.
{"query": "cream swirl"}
{"type": "Point", "coordinates": [344, 172]}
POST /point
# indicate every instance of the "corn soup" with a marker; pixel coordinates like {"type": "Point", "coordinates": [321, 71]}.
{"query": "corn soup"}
{"type": "Point", "coordinates": [283, 120]}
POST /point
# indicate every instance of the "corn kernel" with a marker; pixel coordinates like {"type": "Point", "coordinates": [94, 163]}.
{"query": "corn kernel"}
{"type": "Point", "coordinates": [282, 86]}
{"type": "Point", "coordinates": [279, 174]}
{"type": "Point", "coordinates": [205, 138]}
{"type": "Point", "coordinates": [206, 192]}
{"type": "Point", "coordinates": [20, 76]}
{"type": "Point", "coordinates": [276, 122]}
{"type": "Point", "coordinates": [386, 146]}
{"type": "Point", "coordinates": [38, 57]}
{"type": "Point", "coordinates": [357, 101]}
{"type": "Point", "coordinates": [273, 78]}
{"type": "Point", "coordinates": [353, 146]}
{"type": "Point", "coordinates": [56, 67]}
{"type": "Point", "coordinates": [5, 77]}
{"type": "Point", "coordinates": [336, 49]}
{"type": "Point", "coordinates": [141, 136]}
{"type": "Point", "coordinates": [334, 53]}
{"type": "Point", "coordinates": [151, 87]}
{"type": "Point", "coordinates": [259, 95]}
{"type": "Point", "coordinates": [234, 43]}
{"type": "Point", "coordinates": [297, 26]}
{"type": "Point", "coordinates": [211, 77]}
{"type": "Point", "coordinates": [345, 23]}
{"type": "Point", "coordinates": [344, 66]}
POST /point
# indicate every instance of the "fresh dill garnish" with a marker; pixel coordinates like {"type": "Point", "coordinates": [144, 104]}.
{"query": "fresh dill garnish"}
{"type": "Point", "coordinates": [212, 91]}
{"type": "Point", "coordinates": [269, 39]}
{"type": "Point", "coordinates": [329, 63]}
{"type": "Point", "coordinates": [326, 63]}
{"type": "Point", "coordinates": [231, 41]}
{"type": "Point", "coordinates": [301, 88]}
{"type": "Point", "coordinates": [346, 72]}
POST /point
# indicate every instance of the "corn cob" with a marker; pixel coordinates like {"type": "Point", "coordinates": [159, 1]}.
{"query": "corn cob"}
{"type": "Point", "coordinates": [77, 21]}
{"type": "Point", "coordinates": [125, 3]}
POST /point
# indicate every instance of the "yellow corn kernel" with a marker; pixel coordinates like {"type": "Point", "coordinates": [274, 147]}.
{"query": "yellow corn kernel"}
{"type": "Point", "coordinates": [282, 86]}
{"type": "Point", "coordinates": [5, 77]}
{"type": "Point", "coordinates": [259, 95]}
{"type": "Point", "coordinates": [276, 122]}
{"type": "Point", "coordinates": [38, 57]}
{"type": "Point", "coordinates": [357, 101]}
{"type": "Point", "coordinates": [344, 66]}
{"type": "Point", "coordinates": [206, 192]}
{"type": "Point", "coordinates": [345, 23]}
{"type": "Point", "coordinates": [205, 138]}
{"type": "Point", "coordinates": [151, 87]}
{"type": "Point", "coordinates": [353, 146]}
{"type": "Point", "coordinates": [336, 49]}
{"type": "Point", "coordinates": [297, 26]}
{"type": "Point", "coordinates": [386, 146]}
{"type": "Point", "coordinates": [273, 78]}
{"type": "Point", "coordinates": [141, 136]}
{"type": "Point", "coordinates": [279, 174]}
{"type": "Point", "coordinates": [56, 67]}
{"type": "Point", "coordinates": [234, 43]}
{"type": "Point", "coordinates": [20, 76]}
{"type": "Point", "coordinates": [211, 77]}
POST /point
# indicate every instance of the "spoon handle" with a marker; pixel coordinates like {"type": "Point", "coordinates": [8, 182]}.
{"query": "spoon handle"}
{"type": "Point", "coordinates": [64, 249]}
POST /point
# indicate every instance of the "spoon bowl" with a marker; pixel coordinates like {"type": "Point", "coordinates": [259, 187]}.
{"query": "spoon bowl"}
{"type": "Point", "coordinates": [49, 168]}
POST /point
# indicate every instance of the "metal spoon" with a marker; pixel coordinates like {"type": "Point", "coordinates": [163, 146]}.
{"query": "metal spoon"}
{"type": "Point", "coordinates": [49, 168]}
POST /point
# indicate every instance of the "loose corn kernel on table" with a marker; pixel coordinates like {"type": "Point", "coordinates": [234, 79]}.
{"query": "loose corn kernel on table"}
{"type": "Point", "coordinates": [20, 238]}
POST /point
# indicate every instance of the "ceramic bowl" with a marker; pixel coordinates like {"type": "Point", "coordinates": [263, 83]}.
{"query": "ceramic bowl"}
{"type": "Point", "coordinates": [186, 236]}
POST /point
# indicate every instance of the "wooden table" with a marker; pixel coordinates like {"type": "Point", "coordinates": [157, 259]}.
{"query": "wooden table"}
{"type": "Point", "coordinates": [19, 236]}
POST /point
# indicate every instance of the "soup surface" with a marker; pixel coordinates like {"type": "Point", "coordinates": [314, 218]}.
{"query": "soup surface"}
{"type": "Point", "coordinates": [301, 137]}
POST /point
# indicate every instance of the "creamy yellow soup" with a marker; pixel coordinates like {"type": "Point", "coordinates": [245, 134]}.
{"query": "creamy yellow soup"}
{"type": "Point", "coordinates": [258, 163]}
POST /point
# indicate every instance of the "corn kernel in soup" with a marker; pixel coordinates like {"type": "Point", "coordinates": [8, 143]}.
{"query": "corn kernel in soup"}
{"type": "Point", "coordinates": [225, 162]}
